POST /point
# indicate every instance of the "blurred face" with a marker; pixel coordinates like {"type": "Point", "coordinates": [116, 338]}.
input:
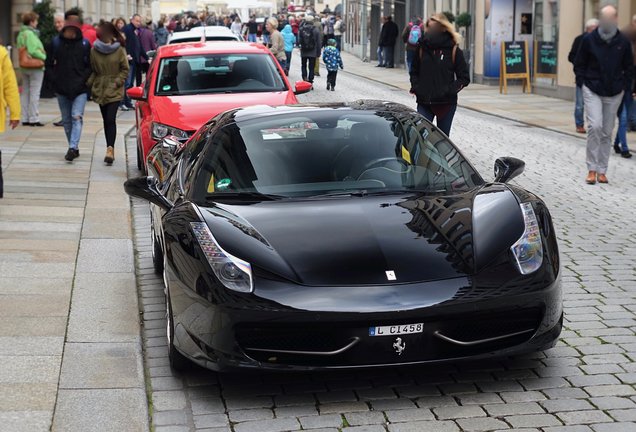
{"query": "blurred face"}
{"type": "Point", "coordinates": [58, 23]}
{"type": "Point", "coordinates": [136, 21]}
{"type": "Point", "coordinates": [69, 33]}
{"type": "Point", "coordinates": [119, 24]}
{"type": "Point", "coordinates": [433, 26]}
{"type": "Point", "coordinates": [34, 23]}
{"type": "Point", "coordinates": [609, 18]}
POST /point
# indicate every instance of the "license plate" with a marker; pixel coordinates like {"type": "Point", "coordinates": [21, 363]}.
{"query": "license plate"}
{"type": "Point", "coordinates": [396, 329]}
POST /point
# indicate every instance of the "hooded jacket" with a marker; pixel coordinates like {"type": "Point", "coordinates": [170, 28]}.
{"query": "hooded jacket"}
{"type": "Point", "coordinates": [109, 71]}
{"type": "Point", "coordinates": [288, 37]}
{"type": "Point", "coordinates": [71, 63]}
{"type": "Point", "coordinates": [606, 68]}
{"type": "Point", "coordinates": [435, 77]}
{"type": "Point", "coordinates": [9, 96]}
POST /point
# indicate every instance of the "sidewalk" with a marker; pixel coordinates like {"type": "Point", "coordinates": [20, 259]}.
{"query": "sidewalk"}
{"type": "Point", "coordinates": [70, 345]}
{"type": "Point", "coordinates": [532, 109]}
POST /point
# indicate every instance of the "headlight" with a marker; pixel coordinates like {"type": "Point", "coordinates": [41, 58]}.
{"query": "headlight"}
{"type": "Point", "coordinates": [233, 272]}
{"type": "Point", "coordinates": [160, 131]}
{"type": "Point", "coordinates": [528, 250]}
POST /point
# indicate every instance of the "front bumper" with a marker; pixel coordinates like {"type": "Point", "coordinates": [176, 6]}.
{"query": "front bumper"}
{"type": "Point", "coordinates": [268, 334]}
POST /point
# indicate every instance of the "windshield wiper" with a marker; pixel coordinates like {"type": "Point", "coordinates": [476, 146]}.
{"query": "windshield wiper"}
{"type": "Point", "coordinates": [248, 196]}
{"type": "Point", "coordinates": [357, 193]}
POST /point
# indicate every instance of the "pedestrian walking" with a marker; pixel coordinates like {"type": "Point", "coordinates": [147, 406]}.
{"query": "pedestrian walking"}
{"type": "Point", "coordinates": [338, 30]}
{"type": "Point", "coordinates": [88, 30]}
{"type": "Point", "coordinates": [109, 66]}
{"type": "Point", "coordinates": [309, 39]}
{"type": "Point", "coordinates": [31, 61]}
{"type": "Point", "coordinates": [620, 142]}
{"type": "Point", "coordinates": [388, 37]}
{"type": "Point", "coordinates": [162, 33]}
{"type": "Point", "coordinates": [71, 71]}
{"type": "Point", "coordinates": [604, 67]}
{"type": "Point", "coordinates": [439, 72]}
{"type": "Point", "coordinates": [252, 29]}
{"type": "Point", "coordinates": [630, 33]}
{"type": "Point", "coordinates": [147, 41]}
{"type": "Point", "coordinates": [579, 122]}
{"type": "Point", "coordinates": [411, 37]}
{"type": "Point", "coordinates": [236, 26]}
{"type": "Point", "coordinates": [277, 43]}
{"type": "Point", "coordinates": [290, 40]}
{"type": "Point", "coordinates": [135, 54]}
{"type": "Point", "coordinates": [333, 61]}
{"type": "Point", "coordinates": [380, 50]}
{"type": "Point", "coordinates": [9, 97]}
{"type": "Point", "coordinates": [318, 25]}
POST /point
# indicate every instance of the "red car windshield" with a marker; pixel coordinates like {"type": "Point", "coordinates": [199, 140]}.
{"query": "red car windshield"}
{"type": "Point", "coordinates": [218, 73]}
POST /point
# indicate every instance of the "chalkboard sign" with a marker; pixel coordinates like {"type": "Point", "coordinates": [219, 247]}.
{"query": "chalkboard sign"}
{"type": "Point", "coordinates": [545, 60]}
{"type": "Point", "coordinates": [514, 64]}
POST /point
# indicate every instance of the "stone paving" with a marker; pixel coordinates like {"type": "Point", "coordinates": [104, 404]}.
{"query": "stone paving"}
{"type": "Point", "coordinates": [70, 346]}
{"type": "Point", "coordinates": [585, 384]}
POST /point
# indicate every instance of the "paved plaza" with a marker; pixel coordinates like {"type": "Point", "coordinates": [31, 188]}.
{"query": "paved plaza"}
{"type": "Point", "coordinates": [82, 317]}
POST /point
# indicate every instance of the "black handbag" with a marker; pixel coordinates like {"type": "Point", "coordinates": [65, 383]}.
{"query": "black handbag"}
{"type": "Point", "coordinates": [1, 182]}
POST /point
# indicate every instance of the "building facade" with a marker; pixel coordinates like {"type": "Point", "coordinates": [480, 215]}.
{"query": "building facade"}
{"type": "Point", "coordinates": [551, 23]}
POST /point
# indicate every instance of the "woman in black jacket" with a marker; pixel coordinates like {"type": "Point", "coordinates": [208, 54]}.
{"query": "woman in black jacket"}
{"type": "Point", "coordinates": [439, 72]}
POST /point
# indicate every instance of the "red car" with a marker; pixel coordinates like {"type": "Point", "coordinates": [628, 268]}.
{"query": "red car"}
{"type": "Point", "coordinates": [187, 84]}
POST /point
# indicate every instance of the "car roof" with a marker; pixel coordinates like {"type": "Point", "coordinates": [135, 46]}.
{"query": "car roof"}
{"type": "Point", "coordinates": [365, 105]}
{"type": "Point", "coordinates": [220, 47]}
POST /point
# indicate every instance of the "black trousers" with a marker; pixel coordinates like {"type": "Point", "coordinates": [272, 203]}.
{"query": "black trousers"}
{"type": "Point", "coordinates": [109, 116]}
{"type": "Point", "coordinates": [331, 78]}
{"type": "Point", "coordinates": [308, 75]}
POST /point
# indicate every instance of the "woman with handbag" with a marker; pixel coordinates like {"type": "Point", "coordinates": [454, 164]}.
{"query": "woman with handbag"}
{"type": "Point", "coordinates": [32, 56]}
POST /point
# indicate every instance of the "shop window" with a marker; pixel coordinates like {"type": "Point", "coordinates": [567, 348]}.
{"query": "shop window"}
{"type": "Point", "coordinates": [546, 33]}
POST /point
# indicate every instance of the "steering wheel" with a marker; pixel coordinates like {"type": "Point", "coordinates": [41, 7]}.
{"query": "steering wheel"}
{"type": "Point", "coordinates": [382, 161]}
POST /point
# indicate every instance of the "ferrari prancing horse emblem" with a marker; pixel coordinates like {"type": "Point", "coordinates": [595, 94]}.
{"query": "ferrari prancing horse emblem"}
{"type": "Point", "coordinates": [399, 345]}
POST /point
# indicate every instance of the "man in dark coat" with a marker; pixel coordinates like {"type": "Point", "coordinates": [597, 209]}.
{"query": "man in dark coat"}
{"type": "Point", "coordinates": [604, 67]}
{"type": "Point", "coordinates": [309, 39]}
{"type": "Point", "coordinates": [590, 26]}
{"type": "Point", "coordinates": [388, 37]}
{"type": "Point", "coordinates": [135, 54]}
{"type": "Point", "coordinates": [71, 60]}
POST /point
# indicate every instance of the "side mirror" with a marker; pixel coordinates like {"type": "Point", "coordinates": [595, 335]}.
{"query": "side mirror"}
{"type": "Point", "coordinates": [507, 168]}
{"type": "Point", "coordinates": [147, 188]}
{"type": "Point", "coordinates": [302, 87]}
{"type": "Point", "coordinates": [151, 54]}
{"type": "Point", "coordinates": [135, 93]}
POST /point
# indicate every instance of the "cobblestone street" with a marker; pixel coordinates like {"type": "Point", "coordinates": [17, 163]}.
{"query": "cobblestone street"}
{"type": "Point", "coordinates": [586, 383]}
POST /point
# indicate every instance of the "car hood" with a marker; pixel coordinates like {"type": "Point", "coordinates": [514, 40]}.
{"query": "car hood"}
{"type": "Point", "coordinates": [373, 240]}
{"type": "Point", "coordinates": [191, 112]}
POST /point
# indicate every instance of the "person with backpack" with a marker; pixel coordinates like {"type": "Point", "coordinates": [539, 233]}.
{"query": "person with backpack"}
{"type": "Point", "coordinates": [109, 66]}
{"type": "Point", "coordinates": [31, 61]}
{"type": "Point", "coordinates": [439, 72]}
{"type": "Point", "coordinates": [411, 37]}
{"type": "Point", "coordinates": [70, 74]}
{"type": "Point", "coordinates": [309, 38]}
{"type": "Point", "coordinates": [333, 61]}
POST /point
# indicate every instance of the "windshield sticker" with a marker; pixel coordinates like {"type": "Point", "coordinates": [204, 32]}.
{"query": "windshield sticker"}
{"type": "Point", "coordinates": [166, 87]}
{"type": "Point", "coordinates": [224, 183]}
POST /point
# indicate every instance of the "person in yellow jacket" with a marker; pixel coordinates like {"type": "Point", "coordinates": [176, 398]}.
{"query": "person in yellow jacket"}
{"type": "Point", "coordinates": [9, 95]}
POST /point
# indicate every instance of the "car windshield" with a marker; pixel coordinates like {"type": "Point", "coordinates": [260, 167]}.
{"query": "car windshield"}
{"type": "Point", "coordinates": [330, 153]}
{"type": "Point", "coordinates": [218, 73]}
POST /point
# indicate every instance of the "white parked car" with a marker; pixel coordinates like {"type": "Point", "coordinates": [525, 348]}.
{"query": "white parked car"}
{"type": "Point", "coordinates": [212, 33]}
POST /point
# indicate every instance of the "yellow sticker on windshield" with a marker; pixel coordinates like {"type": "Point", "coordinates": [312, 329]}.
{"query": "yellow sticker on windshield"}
{"type": "Point", "coordinates": [211, 184]}
{"type": "Point", "coordinates": [406, 155]}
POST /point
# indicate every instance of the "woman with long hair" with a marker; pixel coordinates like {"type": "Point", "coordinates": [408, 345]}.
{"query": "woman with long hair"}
{"type": "Point", "coordinates": [107, 81]}
{"type": "Point", "coordinates": [438, 72]}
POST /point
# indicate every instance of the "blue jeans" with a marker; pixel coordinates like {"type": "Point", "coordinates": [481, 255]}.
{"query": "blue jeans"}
{"type": "Point", "coordinates": [388, 56]}
{"type": "Point", "coordinates": [578, 107]}
{"type": "Point", "coordinates": [409, 59]}
{"type": "Point", "coordinates": [130, 79]}
{"type": "Point", "coordinates": [338, 42]}
{"type": "Point", "coordinates": [251, 37]}
{"type": "Point", "coordinates": [631, 113]}
{"type": "Point", "coordinates": [72, 117]}
{"type": "Point", "coordinates": [444, 124]}
{"type": "Point", "coordinates": [621, 135]}
{"type": "Point", "coordinates": [380, 56]}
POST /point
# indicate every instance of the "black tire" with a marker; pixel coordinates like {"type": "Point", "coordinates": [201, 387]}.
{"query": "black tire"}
{"type": "Point", "coordinates": [178, 361]}
{"type": "Point", "coordinates": [157, 252]}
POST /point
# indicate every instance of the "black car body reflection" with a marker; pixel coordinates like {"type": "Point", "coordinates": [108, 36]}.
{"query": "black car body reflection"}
{"type": "Point", "coordinates": [341, 236]}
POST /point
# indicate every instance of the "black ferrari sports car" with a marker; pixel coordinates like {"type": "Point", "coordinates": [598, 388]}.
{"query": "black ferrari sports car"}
{"type": "Point", "coordinates": [343, 236]}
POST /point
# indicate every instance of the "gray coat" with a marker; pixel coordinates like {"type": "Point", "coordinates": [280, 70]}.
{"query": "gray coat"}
{"type": "Point", "coordinates": [318, 42]}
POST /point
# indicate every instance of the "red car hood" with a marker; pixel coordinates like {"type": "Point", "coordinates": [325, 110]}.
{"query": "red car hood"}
{"type": "Point", "coordinates": [190, 112]}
